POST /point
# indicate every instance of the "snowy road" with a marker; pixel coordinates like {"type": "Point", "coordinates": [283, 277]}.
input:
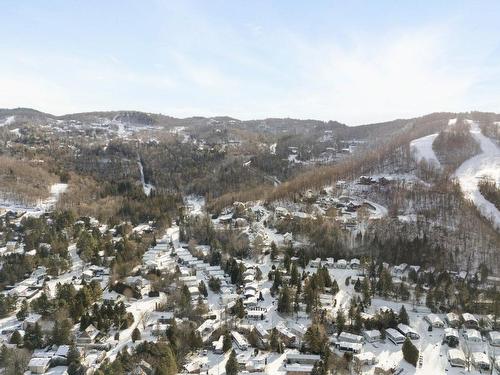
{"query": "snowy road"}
{"type": "Point", "coordinates": [486, 164]}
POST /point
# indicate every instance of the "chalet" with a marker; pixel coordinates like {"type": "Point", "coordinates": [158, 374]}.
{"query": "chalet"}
{"type": "Point", "coordinates": [302, 359]}
{"type": "Point", "coordinates": [296, 369]}
{"type": "Point", "coordinates": [287, 337]}
{"type": "Point", "coordinates": [372, 335]}
{"type": "Point", "coordinates": [456, 357]}
{"type": "Point", "coordinates": [494, 338]}
{"type": "Point", "coordinates": [434, 320]}
{"type": "Point", "coordinates": [261, 332]}
{"type": "Point", "coordinates": [365, 358]}
{"type": "Point", "coordinates": [395, 336]}
{"type": "Point", "coordinates": [239, 340]}
{"type": "Point", "coordinates": [31, 320]}
{"type": "Point", "coordinates": [451, 337]}
{"type": "Point", "coordinates": [329, 263]}
{"type": "Point", "coordinates": [226, 219]}
{"type": "Point", "coordinates": [88, 336]}
{"type": "Point", "coordinates": [407, 331]}
{"type": "Point", "coordinates": [350, 347]}
{"type": "Point", "coordinates": [355, 263]}
{"type": "Point", "coordinates": [472, 335]}
{"type": "Point", "coordinates": [470, 320]}
{"type": "Point", "coordinates": [349, 337]}
{"type": "Point", "coordinates": [39, 365]}
{"type": "Point", "coordinates": [452, 319]}
{"type": "Point", "coordinates": [218, 344]}
{"type": "Point", "coordinates": [341, 263]}
{"type": "Point", "coordinates": [287, 238]}
{"type": "Point", "coordinates": [316, 263]}
{"type": "Point", "coordinates": [480, 361]}
{"type": "Point", "coordinates": [113, 297]}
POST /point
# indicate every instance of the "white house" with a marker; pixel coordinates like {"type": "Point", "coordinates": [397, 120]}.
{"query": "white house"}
{"type": "Point", "coordinates": [456, 357]}
{"type": "Point", "coordinates": [434, 320]}
{"type": "Point", "coordinates": [372, 335]}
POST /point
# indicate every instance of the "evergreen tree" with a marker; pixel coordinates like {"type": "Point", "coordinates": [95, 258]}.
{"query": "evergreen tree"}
{"type": "Point", "coordinates": [340, 321]}
{"type": "Point", "coordinates": [410, 352]}
{"type": "Point", "coordinates": [136, 334]}
{"type": "Point", "coordinates": [227, 342]}
{"type": "Point", "coordinates": [239, 309]}
{"type": "Point", "coordinates": [61, 332]}
{"type": "Point", "coordinates": [274, 251]}
{"type": "Point", "coordinates": [365, 290]}
{"type": "Point", "coordinates": [33, 337]}
{"type": "Point", "coordinates": [23, 311]}
{"type": "Point", "coordinates": [16, 338]}
{"type": "Point", "coordinates": [73, 360]}
{"type": "Point", "coordinates": [294, 275]}
{"type": "Point", "coordinates": [284, 301]}
{"type": "Point", "coordinates": [335, 287]}
{"type": "Point", "coordinates": [403, 316]}
{"type": "Point", "coordinates": [232, 366]}
{"type": "Point", "coordinates": [203, 289]}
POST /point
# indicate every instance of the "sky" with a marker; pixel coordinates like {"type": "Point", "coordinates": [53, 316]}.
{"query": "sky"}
{"type": "Point", "coordinates": [356, 62]}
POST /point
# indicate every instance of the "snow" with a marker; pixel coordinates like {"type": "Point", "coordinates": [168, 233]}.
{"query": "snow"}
{"type": "Point", "coordinates": [423, 149]}
{"type": "Point", "coordinates": [195, 204]}
{"type": "Point", "coordinates": [486, 164]}
{"type": "Point", "coordinates": [39, 208]}
{"type": "Point", "coordinates": [9, 120]}
{"type": "Point", "coordinates": [146, 187]}
{"type": "Point", "coordinates": [272, 148]}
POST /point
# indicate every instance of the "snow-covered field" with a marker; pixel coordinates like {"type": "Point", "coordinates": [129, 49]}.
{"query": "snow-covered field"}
{"type": "Point", "coordinates": [486, 164]}
{"type": "Point", "coordinates": [423, 149]}
{"type": "Point", "coordinates": [42, 206]}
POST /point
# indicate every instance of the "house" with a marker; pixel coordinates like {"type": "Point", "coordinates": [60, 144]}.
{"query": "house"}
{"type": "Point", "coordinates": [39, 365]}
{"type": "Point", "coordinates": [31, 320]}
{"type": "Point", "coordinates": [341, 263]}
{"type": "Point", "coordinates": [355, 263]}
{"type": "Point", "coordinates": [365, 358]}
{"type": "Point", "coordinates": [451, 337]}
{"type": "Point", "coordinates": [316, 263]}
{"type": "Point", "coordinates": [351, 347]}
{"type": "Point", "coordinates": [218, 344]}
{"type": "Point", "coordinates": [395, 336]}
{"type": "Point", "coordinates": [287, 238]}
{"type": "Point", "coordinates": [349, 337]}
{"type": "Point", "coordinates": [434, 320]}
{"type": "Point", "coordinates": [480, 361]}
{"type": "Point", "coordinates": [113, 298]}
{"type": "Point", "coordinates": [494, 338]}
{"type": "Point", "coordinates": [407, 331]}
{"type": "Point", "coordinates": [88, 336]}
{"type": "Point", "coordinates": [452, 320]}
{"type": "Point", "coordinates": [296, 369]}
{"type": "Point", "coordinates": [456, 357]}
{"type": "Point", "coordinates": [372, 335]}
{"type": "Point", "coordinates": [302, 359]}
{"type": "Point", "coordinates": [472, 335]}
{"type": "Point", "coordinates": [287, 337]}
{"type": "Point", "coordinates": [470, 320]}
{"type": "Point", "coordinates": [239, 340]}
{"type": "Point", "coordinates": [261, 332]}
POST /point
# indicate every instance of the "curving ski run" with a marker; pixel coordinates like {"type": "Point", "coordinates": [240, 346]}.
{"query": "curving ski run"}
{"type": "Point", "coordinates": [485, 164]}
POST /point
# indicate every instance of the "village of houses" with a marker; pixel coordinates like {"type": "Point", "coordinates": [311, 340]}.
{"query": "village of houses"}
{"type": "Point", "coordinates": [453, 343]}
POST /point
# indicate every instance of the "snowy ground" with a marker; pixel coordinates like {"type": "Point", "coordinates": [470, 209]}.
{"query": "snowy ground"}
{"type": "Point", "coordinates": [423, 149]}
{"type": "Point", "coordinates": [42, 206]}
{"type": "Point", "coordinates": [195, 204]}
{"type": "Point", "coordinates": [486, 164]}
{"type": "Point", "coordinates": [9, 120]}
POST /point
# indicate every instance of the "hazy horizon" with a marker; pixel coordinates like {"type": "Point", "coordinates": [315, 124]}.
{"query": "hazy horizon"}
{"type": "Point", "coordinates": [354, 63]}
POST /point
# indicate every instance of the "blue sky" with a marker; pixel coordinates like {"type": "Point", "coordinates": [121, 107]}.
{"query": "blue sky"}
{"type": "Point", "coordinates": [352, 61]}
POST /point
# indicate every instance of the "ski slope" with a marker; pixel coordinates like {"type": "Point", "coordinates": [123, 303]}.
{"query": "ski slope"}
{"type": "Point", "coordinates": [423, 149]}
{"type": "Point", "coordinates": [485, 164]}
